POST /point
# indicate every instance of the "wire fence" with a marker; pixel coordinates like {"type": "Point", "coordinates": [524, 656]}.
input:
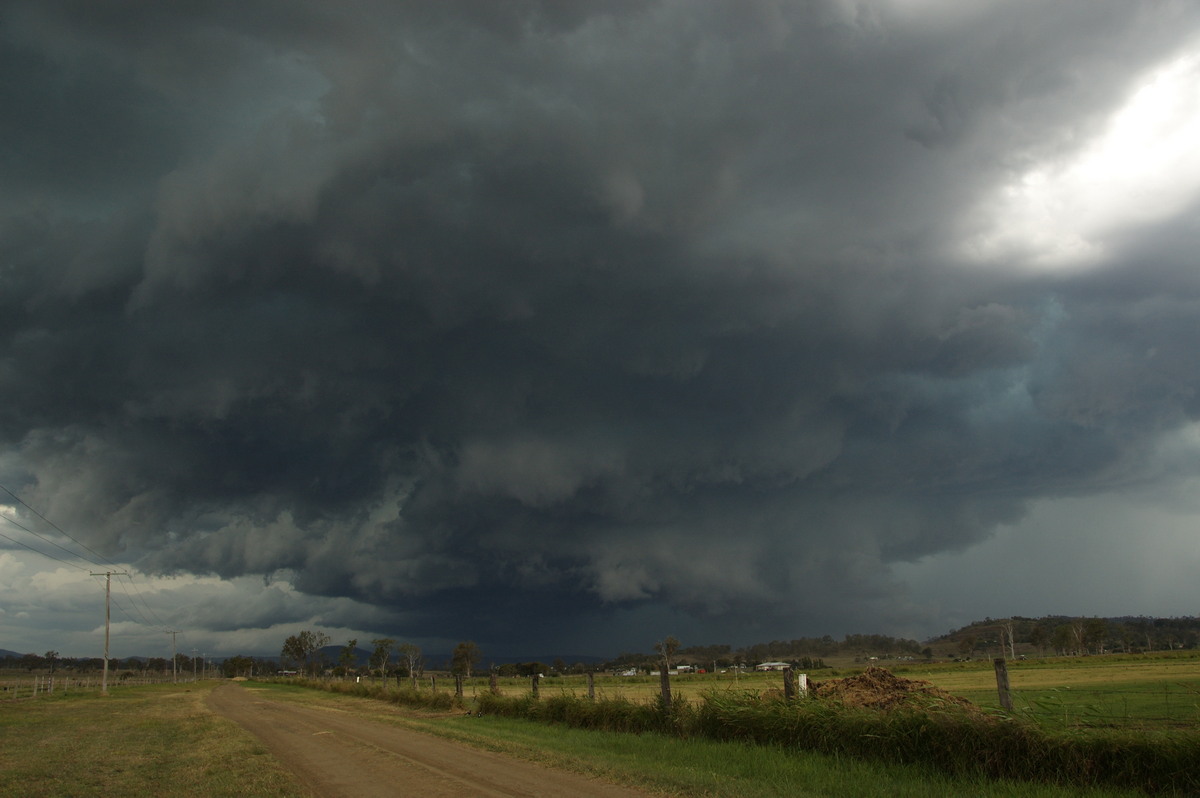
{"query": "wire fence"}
{"type": "Point", "coordinates": [34, 686]}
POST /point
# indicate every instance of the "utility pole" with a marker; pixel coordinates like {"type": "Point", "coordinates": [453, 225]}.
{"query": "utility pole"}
{"type": "Point", "coordinates": [108, 575]}
{"type": "Point", "coordinates": [174, 661]}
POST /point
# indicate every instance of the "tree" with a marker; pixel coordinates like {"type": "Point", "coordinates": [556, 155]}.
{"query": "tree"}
{"type": "Point", "coordinates": [301, 649]}
{"type": "Point", "coordinates": [666, 649]}
{"type": "Point", "coordinates": [1038, 638]}
{"type": "Point", "coordinates": [51, 658]}
{"type": "Point", "coordinates": [1095, 634]}
{"type": "Point", "coordinates": [347, 656]}
{"type": "Point", "coordinates": [410, 654]}
{"type": "Point", "coordinates": [1006, 633]}
{"type": "Point", "coordinates": [381, 656]}
{"type": "Point", "coordinates": [237, 666]}
{"type": "Point", "coordinates": [465, 657]}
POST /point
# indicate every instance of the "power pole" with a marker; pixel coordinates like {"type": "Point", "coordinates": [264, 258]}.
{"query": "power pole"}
{"type": "Point", "coordinates": [174, 661]}
{"type": "Point", "coordinates": [108, 575]}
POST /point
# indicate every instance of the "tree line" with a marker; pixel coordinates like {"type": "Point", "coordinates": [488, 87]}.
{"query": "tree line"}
{"type": "Point", "coordinates": [1063, 635]}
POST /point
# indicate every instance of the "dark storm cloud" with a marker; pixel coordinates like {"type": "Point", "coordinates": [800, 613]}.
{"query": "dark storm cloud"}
{"type": "Point", "coordinates": [467, 309]}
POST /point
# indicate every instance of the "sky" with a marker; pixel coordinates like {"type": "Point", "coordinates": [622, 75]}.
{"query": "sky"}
{"type": "Point", "coordinates": [566, 326]}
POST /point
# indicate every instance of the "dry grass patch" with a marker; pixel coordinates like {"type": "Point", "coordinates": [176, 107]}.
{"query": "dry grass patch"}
{"type": "Point", "coordinates": [137, 741]}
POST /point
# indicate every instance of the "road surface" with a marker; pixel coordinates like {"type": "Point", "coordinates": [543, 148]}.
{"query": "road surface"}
{"type": "Point", "coordinates": [336, 754]}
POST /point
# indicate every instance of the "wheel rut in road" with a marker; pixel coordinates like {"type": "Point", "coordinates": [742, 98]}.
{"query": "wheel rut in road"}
{"type": "Point", "coordinates": [335, 754]}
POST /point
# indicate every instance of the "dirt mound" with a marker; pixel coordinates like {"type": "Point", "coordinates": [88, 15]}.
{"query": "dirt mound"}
{"type": "Point", "coordinates": [877, 688]}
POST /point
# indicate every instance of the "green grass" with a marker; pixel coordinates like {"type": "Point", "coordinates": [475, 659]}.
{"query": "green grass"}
{"type": "Point", "coordinates": [1140, 692]}
{"type": "Point", "coordinates": [137, 741]}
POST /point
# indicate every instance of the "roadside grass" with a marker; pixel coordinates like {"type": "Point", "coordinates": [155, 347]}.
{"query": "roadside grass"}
{"type": "Point", "coordinates": [691, 766]}
{"type": "Point", "coordinates": [137, 741]}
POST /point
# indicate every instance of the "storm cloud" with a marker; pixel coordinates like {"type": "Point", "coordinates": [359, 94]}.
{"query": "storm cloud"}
{"type": "Point", "coordinates": [462, 310]}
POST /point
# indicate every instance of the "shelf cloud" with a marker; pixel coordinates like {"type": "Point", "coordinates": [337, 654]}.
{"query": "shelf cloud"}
{"type": "Point", "coordinates": [619, 316]}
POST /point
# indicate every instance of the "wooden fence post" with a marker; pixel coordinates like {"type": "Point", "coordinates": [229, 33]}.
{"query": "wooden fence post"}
{"type": "Point", "coordinates": [591, 681]}
{"type": "Point", "coordinates": [533, 683]}
{"type": "Point", "coordinates": [1002, 683]}
{"type": "Point", "coordinates": [789, 685]}
{"type": "Point", "coordinates": [458, 685]}
{"type": "Point", "coordinates": [664, 683]}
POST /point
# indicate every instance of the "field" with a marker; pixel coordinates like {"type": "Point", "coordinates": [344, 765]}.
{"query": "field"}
{"type": "Point", "coordinates": [157, 740]}
{"type": "Point", "coordinates": [138, 740]}
{"type": "Point", "coordinates": [144, 738]}
{"type": "Point", "coordinates": [1153, 691]}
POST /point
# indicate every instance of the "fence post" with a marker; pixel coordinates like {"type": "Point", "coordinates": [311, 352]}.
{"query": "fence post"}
{"type": "Point", "coordinates": [789, 685]}
{"type": "Point", "coordinates": [533, 683]}
{"type": "Point", "coordinates": [458, 685]}
{"type": "Point", "coordinates": [1002, 683]}
{"type": "Point", "coordinates": [591, 677]}
{"type": "Point", "coordinates": [664, 683]}
{"type": "Point", "coordinates": [494, 683]}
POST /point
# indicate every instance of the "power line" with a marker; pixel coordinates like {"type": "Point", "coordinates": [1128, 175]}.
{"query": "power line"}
{"type": "Point", "coordinates": [44, 538]}
{"type": "Point", "coordinates": [55, 526]}
{"type": "Point", "coordinates": [36, 551]}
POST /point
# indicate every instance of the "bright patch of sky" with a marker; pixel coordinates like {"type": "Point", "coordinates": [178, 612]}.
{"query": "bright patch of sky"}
{"type": "Point", "coordinates": [1142, 169]}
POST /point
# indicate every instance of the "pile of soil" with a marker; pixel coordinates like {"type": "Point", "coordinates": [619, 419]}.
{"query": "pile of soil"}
{"type": "Point", "coordinates": [877, 688]}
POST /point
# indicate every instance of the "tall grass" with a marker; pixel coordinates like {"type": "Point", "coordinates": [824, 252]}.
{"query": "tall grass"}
{"type": "Point", "coordinates": [437, 700]}
{"type": "Point", "coordinates": [945, 737]}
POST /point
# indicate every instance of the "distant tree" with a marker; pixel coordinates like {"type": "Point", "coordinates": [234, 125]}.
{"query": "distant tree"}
{"type": "Point", "coordinates": [465, 657]}
{"type": "Point", "coordinates": [237, 666]}
{"type": "Point", "coordinates": [381, 656]}
{"type": "Point", "coordinates": [347, 656]}
{"type": "Point", "coordinates": [414, 662]}
{"type": "Point", "coordinates": [1038, 638]}
{"type": "Point", "coordinates": [51, 658]}
{"type": "Point", "coordinates": [1095, 634]}
{"type": "Point", "coordinates": [1007, 637]}
{"type": "Point", "coordinates": [1061, 639]}
{"type": "Point", "coordinates": [666, 648]}
{"type": "Point", "coordinates": [302, 649]}
{"type": "Point", "coordinates": [560, 665]}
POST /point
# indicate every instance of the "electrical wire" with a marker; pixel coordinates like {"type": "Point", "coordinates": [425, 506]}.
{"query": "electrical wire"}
{"type": "Point", "coordinates": [56, 527]}
{"type": "Point", "coordinates": [44, 554]}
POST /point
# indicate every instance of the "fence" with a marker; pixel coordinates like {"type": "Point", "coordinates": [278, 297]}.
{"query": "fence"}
{"type": "Point", "coordinates": [27, 687]}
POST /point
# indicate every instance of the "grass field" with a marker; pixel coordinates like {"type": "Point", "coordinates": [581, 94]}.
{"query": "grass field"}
{"type": "Point", "coordinates": [1159, 690]}
{"type": "Point", "coordinates": [137, 741]}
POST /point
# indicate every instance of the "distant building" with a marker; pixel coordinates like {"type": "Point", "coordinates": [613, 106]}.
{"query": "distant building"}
{"type": "Point", "coordinates": [771, 666]}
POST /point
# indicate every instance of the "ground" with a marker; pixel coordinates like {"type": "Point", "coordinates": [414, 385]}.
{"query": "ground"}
{"type": "Point", "coordinates": [335, 754]}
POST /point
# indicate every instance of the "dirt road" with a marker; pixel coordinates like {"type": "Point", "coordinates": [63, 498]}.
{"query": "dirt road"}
{"type": "Point", "coordinates": [336, 754]}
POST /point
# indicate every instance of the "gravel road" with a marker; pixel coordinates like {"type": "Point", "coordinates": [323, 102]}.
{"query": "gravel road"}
{"type": "Point", "coordinates": [337, 754]}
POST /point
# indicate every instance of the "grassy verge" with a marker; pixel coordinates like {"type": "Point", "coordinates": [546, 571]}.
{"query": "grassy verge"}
{"type": "Point", "coordinates": [694, 766]}
{"type": "Point", "coordinates": [137, 741]}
